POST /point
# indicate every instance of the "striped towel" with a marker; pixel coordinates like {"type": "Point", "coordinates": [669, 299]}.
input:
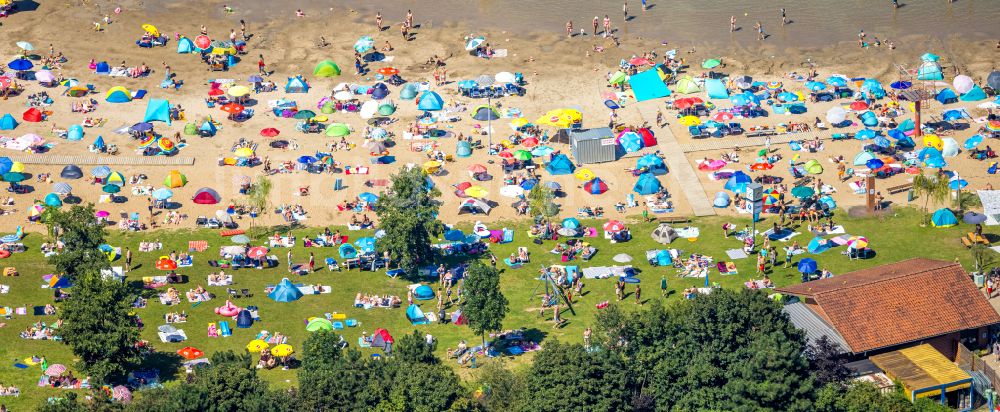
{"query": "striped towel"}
{"type": "Point", "coordinates": [197, 246]}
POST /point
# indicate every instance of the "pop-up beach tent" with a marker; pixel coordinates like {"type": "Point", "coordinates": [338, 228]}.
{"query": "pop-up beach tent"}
{"type": "Point", "coordinates": [648, 85]}
{"type": "Point", "coordinates": [157, 110]}
{"type": "Point", "coordinates": [559, 165]}
{"type": "Point", "coordinates": [382, 339]}
{"type": "Point", "coordinates": [285, 291]}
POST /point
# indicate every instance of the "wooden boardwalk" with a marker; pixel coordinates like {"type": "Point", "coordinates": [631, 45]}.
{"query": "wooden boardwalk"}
{"type": "Point", "coordinates": [104, 160]}
{"type": "Point", "coordinates": [679, 166]}
{"type": "Point", "coordinates": [709, 144]}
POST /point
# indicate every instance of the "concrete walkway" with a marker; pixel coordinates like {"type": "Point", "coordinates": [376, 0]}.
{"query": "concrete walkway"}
{"type": "Point", "coordinates": [710, 143]}
{"type": "Point", "coordinates": [678, 165]}
{"type": "Point", "coordinates": [104, 160]}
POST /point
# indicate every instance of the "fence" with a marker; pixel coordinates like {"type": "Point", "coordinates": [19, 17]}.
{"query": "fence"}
{"type": "Point", "coordinates": [969, 361]}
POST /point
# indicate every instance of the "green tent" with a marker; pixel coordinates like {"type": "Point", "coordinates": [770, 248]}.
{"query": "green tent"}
{"type": "Point", "coordinates": [326, 68]}
{"type": "Point", "coordinates": [813, 167]}
{"type": "Point", "coordinates": [386, 109]}
{"type": "Point", "coordinates": [190, 129]}
{"type": "Point", "coordinates": [318, 324]}
{"type": "Point", "coordinates": [337, 130]}
{"type": "Point", "coordinates": [687, 85]}
{"type": "Point", "coordinates": [711, 63]}
{"type": "Point", "coordinates": [617, 78]}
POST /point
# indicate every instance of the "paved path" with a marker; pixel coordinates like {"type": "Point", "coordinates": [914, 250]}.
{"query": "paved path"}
{"type": "Point", "coordinates": [711, 143]}
{"type": "Point", "coordinates": [104, 160]}
{"type": "Point", "coordinates": [679, 166]}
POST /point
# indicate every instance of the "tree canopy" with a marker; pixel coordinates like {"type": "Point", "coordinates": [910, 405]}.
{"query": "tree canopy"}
{"type": "Point", "coordinates": [83, 236]}
{"type": "Point", "coordinates": [483, 305]}
{"type": "Point", "coordinates": [567, 377]}
{"type": "Point", "coordinates": [408, 212]}
{"type": "Point", "coordinates": [99, 329]}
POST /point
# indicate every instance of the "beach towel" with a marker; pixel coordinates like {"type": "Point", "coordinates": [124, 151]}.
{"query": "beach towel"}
{"type": "Point", "coordinates": [197, 245]}
{"type": "Point", "coordinates": [232, 232]}
{"type": "Point", "coordinates": [499, 53]}
{"type": "Point", "coordinates": [687, 232]}
{"type": "Point", "coordinates": [224, 329]}
{"type": "Point", "coordinates": [841, 240]}
{"type": "Point", "coordinates": [736, 254]}
{"type": "Point", "coordinates": [590, 232]}
{"type": "Point", "coordinates": [178, 336]}
{"type": "Point", "coordinates": [39, 311]}
{"type": "Point", "coordinates": [782, 235]}
{"type": "Point", "coordinates": [727, 268]}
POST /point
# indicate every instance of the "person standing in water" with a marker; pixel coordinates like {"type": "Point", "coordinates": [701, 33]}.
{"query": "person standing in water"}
{"type": "Point", "coordinates": [378, 20]}
{"type": "Point", "coordinates": [607, 25]}
{"type": "Point", "coordinates": [569, 28]}
{"type": "Point", "coordinates": [625, 11]}
{"type": "Point", "coordinates": [732, 23]}
{"type": "Point", "coordinates": [596, 19]}
{"type": "Point", "coordinates": [760, 31]}
{"type": "Point", "coordinates": [784, 19]}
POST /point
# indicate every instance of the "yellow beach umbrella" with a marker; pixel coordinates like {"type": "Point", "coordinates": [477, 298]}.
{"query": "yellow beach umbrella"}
{"type": "Point", "coordinates": [584, 174]}
{"type": "Point", "coordinates": [562, 118]}
{"type": "Point", "coordinates": [17, 167]}
{"type": "Point", "coordinates": [689, 121]}
{"type": "Point", "coordinates": [476, 192]}
{"type": "Point", "coordinates": [932, 140]}
{"type": "Point", "coordinates": [519, 122]}
{"type": "Point", "coordinates": [319, 119]}
{"type": "Point", "coordinates": [151, 29]}
{"type": "Point", "coordinates": [282, 350]}
{"type": "Point", "coordinates": [239, 91]}
{"type": "Point", "coordinates": [431, 166]}
{"type": "Point", "coordinates": [244, 152]}
{"type": "Point", "coordinates": [257, 345]}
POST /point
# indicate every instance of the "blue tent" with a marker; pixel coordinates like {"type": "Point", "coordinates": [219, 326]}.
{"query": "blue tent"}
{"type": "Point", "coordinates": [738, 182]}
{"type": "Point", "coordinates": [721, 200]}
{"type": "Point", "coordinates": [118, 95]}
{"type": "Point", "coordinates": [366, 244]}
{"type": "Point", "coordinates": [715, 89]}
{"type": "Point", "coordinates": [974, 95]}
{"type": "Point", "coordinates": [296, 85]}
{"type": "Point", "coordinates": [463, 149]}
{"type": "Point", "coordinates": [559, 165]}
{"type": "Point", "coordinates": [423, 292]}
{"type": "Point", "coordinates": [7, 122]}
{"type": "Point", "coordinates": [905, 125]}
{"type": "Point", "coordinates": [430, 101]}
{"type": "Point", "coordinates": [348, 251]}
{"type": "Point", "coordinates": [865, 134]}
{"type": "Point", "coordinates": [663, 258]}
{"type": "Point", "coordinates": [5, 164]}
{"type": "Point", "coordinates": [653, 163]}
{"type": "Point", "coordinates": [408, 92]}
{"type": "Point", "coordinates": [157, 110]}
{"type": "Point", "coordinates": [648, 85]}
{"type": "Point", "coordinates": [630, 142]}
{"type": "Point", "coordinates": [285, 291]}
{"type": "Point", "coordinates": [416, 316]}
{"type": "Point", "coordinates": [244, 319]}
{"type": "Point", "coordinates": [99, 143]}
{"type": "Point", "coordinates": [647, 184]}
{"type": "Point", "coordinates": [379, 91]}
{"type": "Point", "coordinates": [52, 200]}
{"type": "Point", "coordinates": [943, 218]}
{"type": "Point", "coordinates": [102, 68]}
{"type": "Point", "coordinates": [69, 172]}
{"type": "Point", "coordinates": [946, 96]}
{"type": "Point", "coordinates": [571, 223]}
{"type": "Point", "coordinates": [929, 70]}
{"type": "Point", "coordinates": [869, 119]}
{"type": "Point", "coordinates": [874, 88]}
{"type": "Point", "coordinates": [208, 128]}
{"type": "Point", "coordinates": [454, 235]}
{"type": "Point", "coordinates": [74, 132]}
{"type": "Point", "coordinates": [185, 45]}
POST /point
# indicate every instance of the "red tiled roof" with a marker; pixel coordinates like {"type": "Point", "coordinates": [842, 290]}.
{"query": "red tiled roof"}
{"type": "Point", "coordinates": [898, 303]}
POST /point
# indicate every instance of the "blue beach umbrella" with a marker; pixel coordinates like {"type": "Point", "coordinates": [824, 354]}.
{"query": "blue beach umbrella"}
{"type": "Point", "coordinates": [454, 235]}
{"type": "Point", "coordinates": [865, 134]}
{"type": "Point", "coordinates": [162, 194]}
{"type": "Point", "coordinates": [882, 142]}
{"type": "Point", "coordinates": [972, 142]}
{"type": "Point", "coordinates": [20, 64]}
{"type": "Point", "coordinates": [571, 223]}
{"type": "Point", "coordinates": [737, 182]}
{"type": "Point", "coordinates": [306, 160]}
{"type": "Point", "coordinates": [368, 197]}
{"type": "Point", "coordinates": [815, 86]}
{"type": "Point", "coordinates": [837, 81]}
{"type": "Point", "coordinates": [807, 265]}
{"type": "Point", "coordinates": [874, 164]}
{"type": "Point", "coordinates": [958, 184]}
{"type": "Point", "coordinates": [366, 244]}
{"type": "Point", "coordinates": [467, 84]}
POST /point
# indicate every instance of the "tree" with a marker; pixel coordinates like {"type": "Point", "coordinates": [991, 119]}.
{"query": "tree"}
{"type": "Point", "coordinates": [501, 389]}
{"type": "Point", "coordinates": [483, 305]}
{"type": "Point", "coordinates": [865, 397]}
{"type": "Point", "coordinates": [82, 236]}
{"type": "Point", "coordinates": [982, 257]}
{"type": "Point", "coordinates": [933, 188]}
{"type": "Point", "coordinates": [828, 362]}
{"type": "Point", "coordinates": [408, 215]}
{"type": "Point", "coordinates": [259, 197]}
{"type": "Point", "coordinates": [99, 329]}
{"type": "Point", "coordinates": [569, 377]}
{"type": "Point", "coordinates": [732, 350]}
{"type": "Point", "coordinates": [413, 348]}
{"type": "Point", "coordinates": [540, 201]}
{"type": "Point", "coordinates": [331, 378]}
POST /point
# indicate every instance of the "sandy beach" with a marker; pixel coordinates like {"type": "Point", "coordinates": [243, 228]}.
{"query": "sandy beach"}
{"type": "Point", "coordinates": [558, 72]}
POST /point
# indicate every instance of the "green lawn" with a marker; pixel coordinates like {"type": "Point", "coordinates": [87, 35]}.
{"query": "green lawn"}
{"type": "Point", "coordinates": [893, 238]}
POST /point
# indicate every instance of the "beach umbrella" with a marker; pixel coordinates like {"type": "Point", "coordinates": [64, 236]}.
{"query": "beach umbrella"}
{"type": "Point", "coordinates": [387, 71]}
{"type": "Point", "coordinates": [337, 130]}
{"type": "Point", "coordinates": [874, 164]}
{"type": "Point", "coordinates": [343, 95]}
{"type": "Point", "coordinates": [62, 188]}
{"type": "Point", "coordinates": [162, 194]}
{"type": "Point", "coordinates": [972, 142]}
{"type": "Point", "coordinates": [471, 43]}
{"type": "Point", "coordinates": [522, 155]}
{"type": "Point", "coordinates": [304, 114]}
{"type": "Point", "coordinates": [584, 174]}
{"type": "Point", "coordinates": [111, 189]}
{"type": "Point", "coordinates": [571, 223]}
{"type": "Point", "coordinates": [151, 29]}
{"type": "Point", "coordinates": [689, 121]}
{"type": "Point", "coordinates": [269, 132]}
{"type": "Point", "coordinates": [365, 244]}
{"type": "Point", "coordinates": [282, 350]}
{"type": "Point", "coordinates": [477, 168]}
{"type": "Point", "coordinates": [257, 346]}
{"type": "Point", "coordinates": [257, 252]}
{"type": "Point", "coordinates": [44, 76]}
{"type": "Point", "coordinates": [993, 126]}
{"type": "Point", "coordinates": [788, 97]}
{"type": "Point", "coordinates": [20, 64]}
{"type": "Point", "coordinates": [102, 213]}
{"type": "Point", "coordinates": [722, 116]}
{"type": "Point", "coordinates": [100, 171]}
{"type": "Point", "coordinates": [956, 184]}
{"type": "Point", "coordinates": [773, 85]}
{"type": "Point", "coordinates": [23, 45]}
{"type": "Point", "coordinates": [836, 115]}
{"type": "Point", "coordinates": [761, 166]}
{"type": "Point", "coordinates": [901, 85]}
{"type": "Point", "coordinates": [13, 177]}
{"type": "Point", "coordinates": [815, 86]}
{"type": "Point", "coordinates": [530, 143]}
{"type": "Point", "coordinates": [239, 91]}
{"type": "Point", "coordinates": [858, 105]}
{"type": "Point", "coordinates": [802, 192]}
{"type": "Point", "coordinates": [837, 80]}
{"type": "Point", "coordinates": [505, 77]}
{"type": "Point", "coordinates": [595, 186]}
{"type": "Point", "coordinates": [511, 191]}
{"type": "Point", "coordinates": [378, 133]}
{"type": "Point", "coordinates": [476, 192]}
{"type": "Point", "coordinates": [466, 84]}
{"type": "Point", "coordinates": [121, 394]}
{"type": "Point", "coordinates": [807, 265]}
{"type": "Point", "coordinates": [5, 82]}
{"type": "Point", "coordinates": [540, 151]}
{"type": "Point", "coordinates": [974, 218]}
{"type": "Point", "coordinates": [485, 80]}
{"type": "Point", "coordinates": [5, 164]}
{"type": "Point", "coordinates": [306, 159]}
{"type": "Point", "coordinates": [55, 370]}
{"type": "Point", "coordinates": [203, 42]}
{"type": "Point", "coordinates": [255, 79]}
{"type": "Point", "coordinates": [857, 242]}
{"type": "Point", "coordinates": [737, 182]}
{"type": "Point", "coordinates": [622, 258]}
{"type": "Point", "coordinates": [882, 142]}
{"type": "Point", "coordinates": [243, 152]}
{"type": "Point", "coordinates": [17, 167]}
{"type": "Point", "coordinates": [364, 44]}
{"type": "Point", "coordinates": [232, 108]}
{"type": "Point", "coordinates": [216, 92]}
{"type": "Point", "coordinates": [865, 134]}
{"type": "Point", "coordinates": [613, 226]}
{"type": "Point", "coordinates": [368, 197]}
{"type": "Point", "coordinates": [711, 63]}
{"type": "Point", "coordinates": [190, 353]}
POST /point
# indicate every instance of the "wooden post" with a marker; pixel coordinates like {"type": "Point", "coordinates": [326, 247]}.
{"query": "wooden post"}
{"type": "Point", "coordinates": [916, 118]}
